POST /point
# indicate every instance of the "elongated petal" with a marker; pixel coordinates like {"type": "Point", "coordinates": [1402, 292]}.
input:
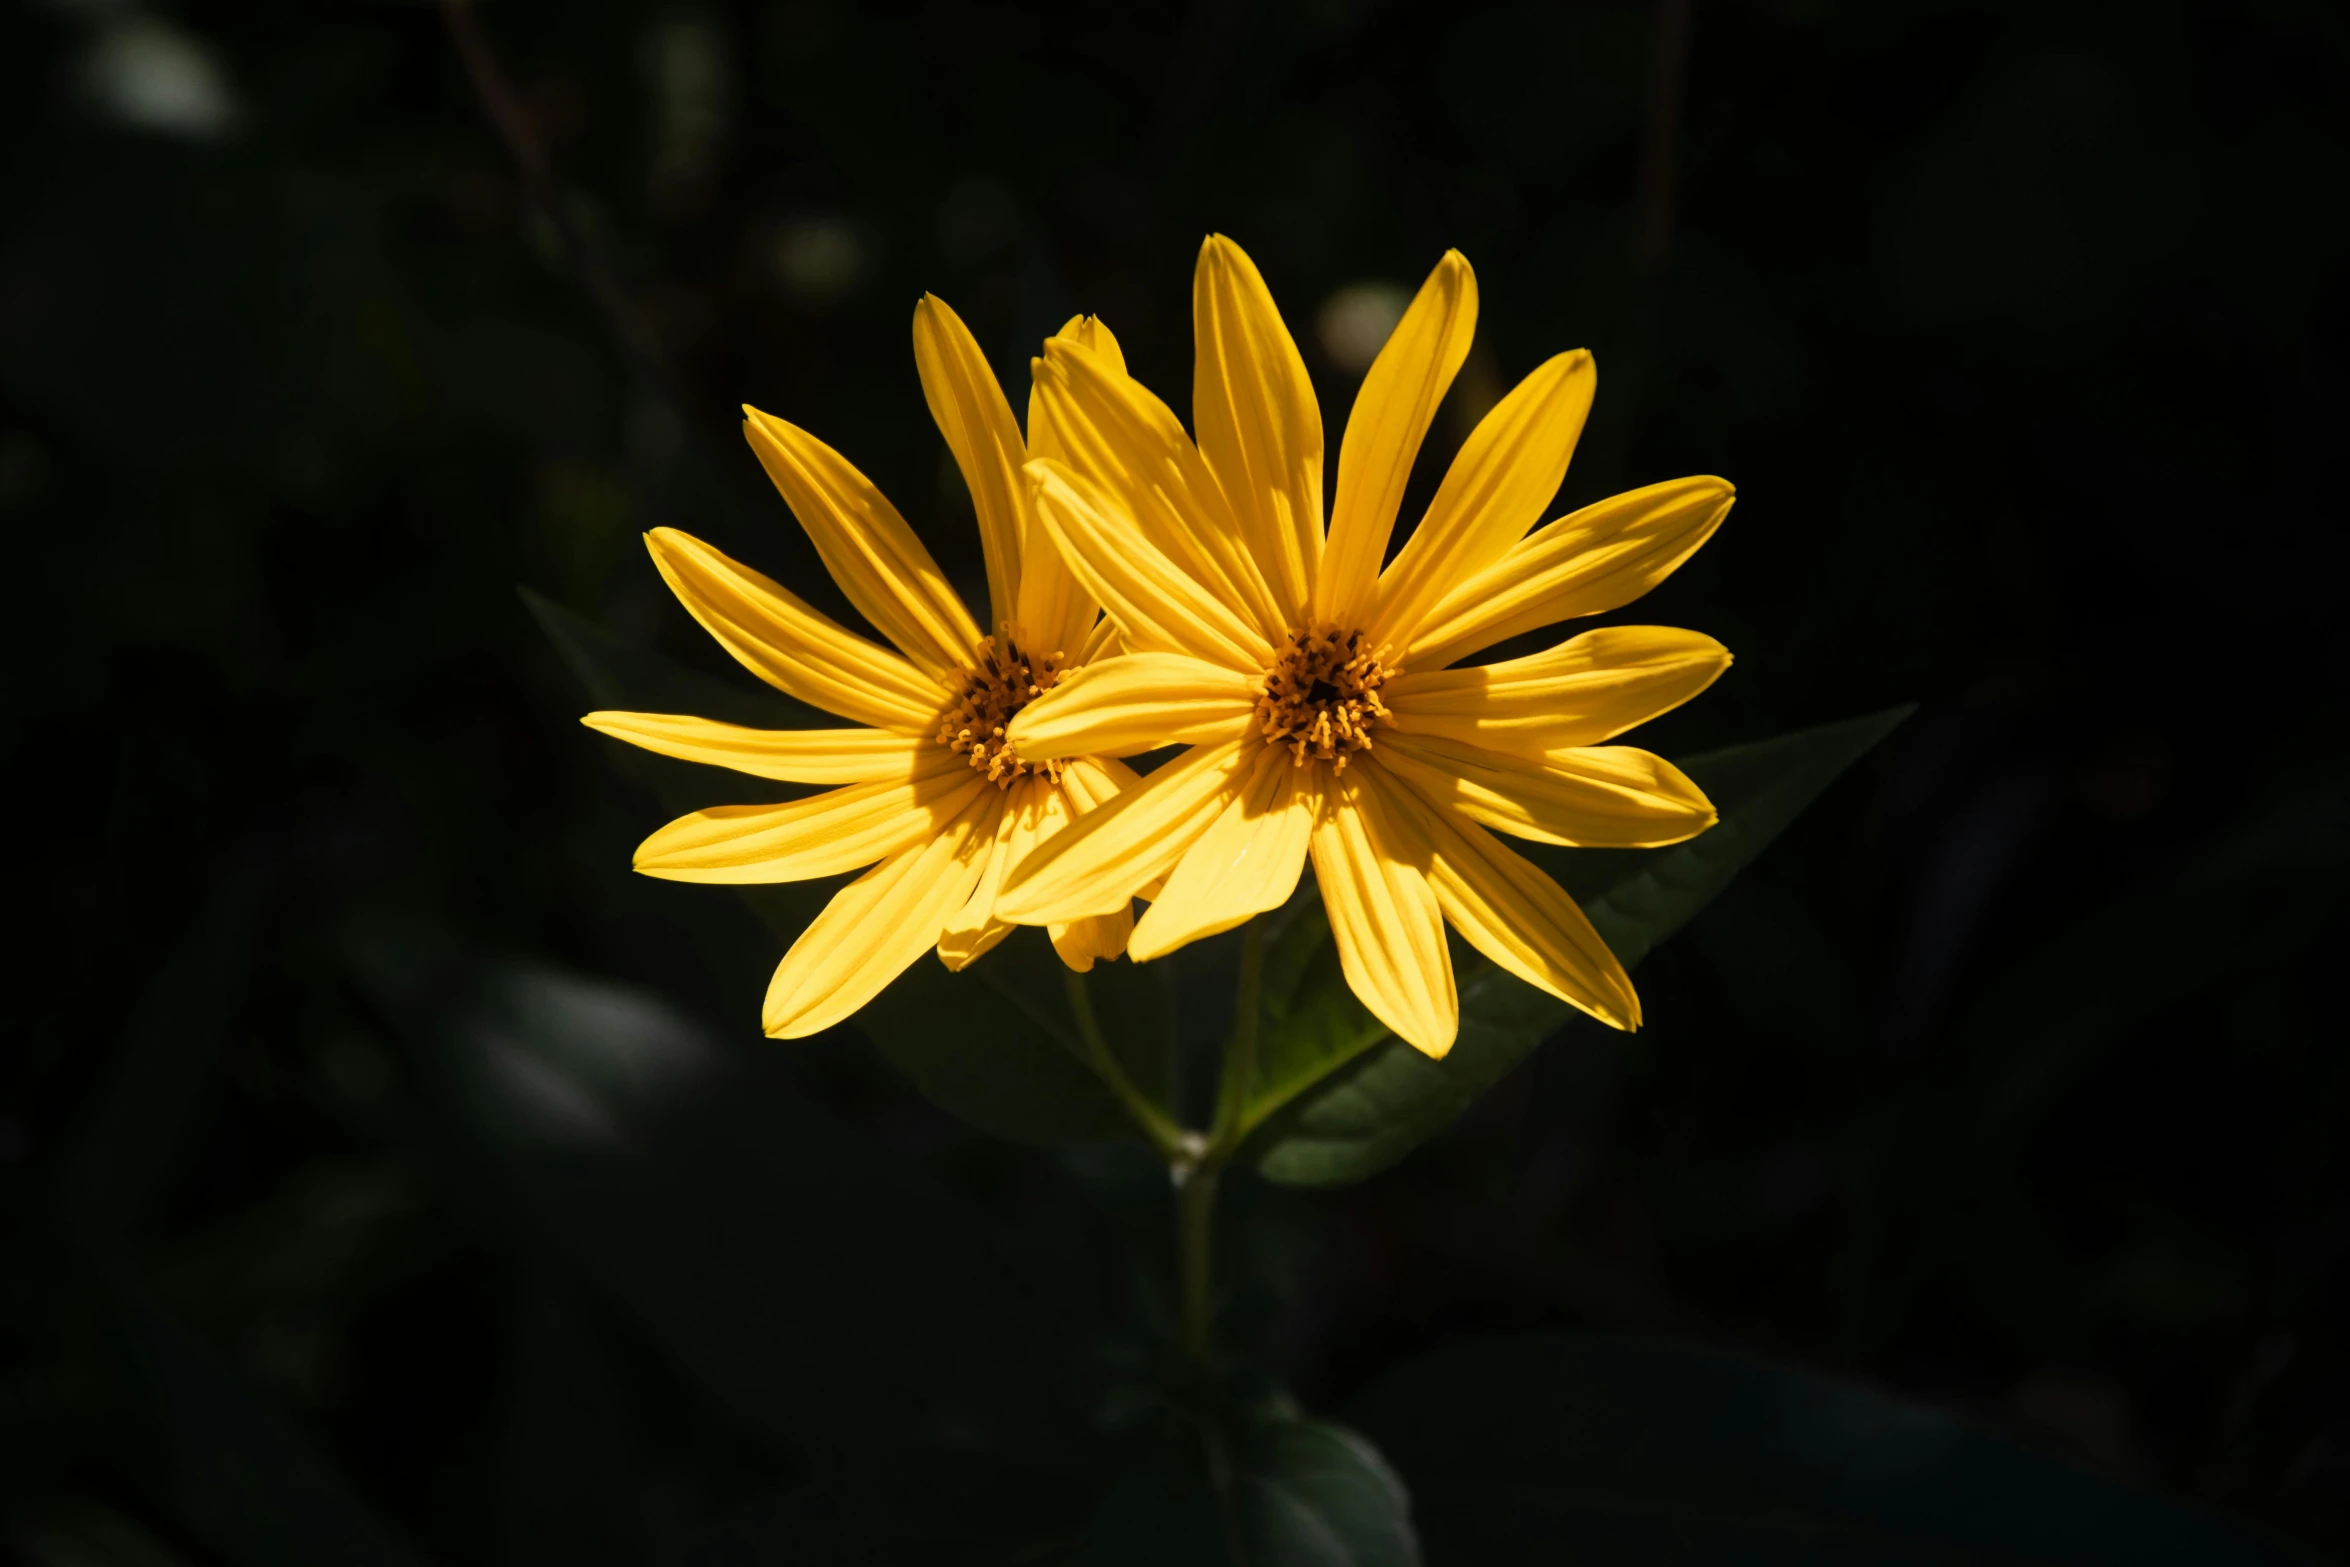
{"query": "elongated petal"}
{"type": "Point", "coordinates": [1138, 702]}
{"type": "Point", "coordinates": [1507, 473]}
{"type": "Point", "coordinates": [1585, 691]}
{"type": "Point", "coordinates": [1092, 782]}
{"type": "Point", "coordinates": [1586, 563]}
{"type": "Point", "coordinates": [1113, 431]}
{"type": "Point", "coordinates": [973, 930]}
{"type": "Point", "coordinates": [1081, 943]}
{"type": "Point", "coordinates": [1112, 852]}
{"type": "Point", "coordinates": [968, 405]}
{"type": "Point", "coordinates": [1383, 434]}
{"type": "Point", "coordinates": [1057, 614]}
{"type": "Point", "coordinates": [1600, 797]}
{"type": "Point", "coordinates": [1506, 908]}
{"type": "Point", "coordinates": [1384, 918]}
{"type": "Point", "coordinates": [879, 924]}
{"type": "Point", "coordinates": [1159, 607]}
{"type": "Point", "coordinates": [1259, 427]}
{"type": "Point", "coordinates": [817, 756]}
{"type": "Point", "coordinates": [1247, 862]}
{"type": "Point", "coordinates": [823, 835]}
{"type": "Point", "coordinates": [867, 546]}
{"type": "Point", "coordinates": [790, 646]}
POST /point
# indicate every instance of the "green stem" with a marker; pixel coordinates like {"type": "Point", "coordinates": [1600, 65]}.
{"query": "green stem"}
{"type": "Point", "coordinates": [1173, 1143]}
{"type": "Point", "coordinates": [1196, 1242]}
{"type": "Point", "coordinates": [1196, 1178]}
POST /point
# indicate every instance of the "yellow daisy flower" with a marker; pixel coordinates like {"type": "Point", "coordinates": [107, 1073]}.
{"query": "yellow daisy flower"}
{"type": "Point", "coordinates": [931, 788]}
{"type": "Point", "coordinates": [1319, 693]}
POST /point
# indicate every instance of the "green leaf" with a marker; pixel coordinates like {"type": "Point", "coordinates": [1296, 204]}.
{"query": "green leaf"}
{"type": "Point", "coordinates": [816, 1287]}
{"type": "Point", "coordinates": [1552, 1448]}
{"type": "Point", "coordinates": [996, 1045]}
{"type": "Point", "coordinates": [1373, 1098]}
{"type": "Point", "coordinates": [253, 1486]}
{"type": "Point", "coordinates": [1264, 1493]}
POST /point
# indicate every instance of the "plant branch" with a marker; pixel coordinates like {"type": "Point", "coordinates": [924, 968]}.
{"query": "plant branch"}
{"type": "Point", "coordinates": [1177, 1146]}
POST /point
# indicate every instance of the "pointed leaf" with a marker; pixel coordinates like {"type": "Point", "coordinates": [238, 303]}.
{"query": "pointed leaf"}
{"type": "Point", "coordinates": [1372, 1099]}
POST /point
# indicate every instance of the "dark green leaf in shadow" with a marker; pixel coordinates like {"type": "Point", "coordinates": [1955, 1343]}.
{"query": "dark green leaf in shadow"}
{"type": "Point", "coordinates": [817, 1288]}
{"type": "Point", "coordinates": [1381, 1098]}
{"type": "Point", "coordinates": [1553, 1448]}
{"type": "Point", "coordinates": [250, 1484]}
{"type": "Point", "coordinates": [1264, 1493]}
{"type": "Point", "coordinates": [995, 1045]}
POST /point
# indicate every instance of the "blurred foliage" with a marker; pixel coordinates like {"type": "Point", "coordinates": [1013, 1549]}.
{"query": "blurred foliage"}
{"type": "Point", "coordinates": [345, 1222]}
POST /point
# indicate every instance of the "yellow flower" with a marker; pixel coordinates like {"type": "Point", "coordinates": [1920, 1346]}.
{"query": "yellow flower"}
{"type": "Point", "coordinates": [1317, 691]}
{"type": "Point", "coordinates": [931, 788]}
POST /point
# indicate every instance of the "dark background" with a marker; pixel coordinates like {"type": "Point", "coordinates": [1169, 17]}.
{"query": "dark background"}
{"type": "Point", "coordinates": [2004, 1080]}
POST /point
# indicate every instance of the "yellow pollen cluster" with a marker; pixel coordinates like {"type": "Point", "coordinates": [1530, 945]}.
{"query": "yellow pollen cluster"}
{"type": "Point", "coordinates": [1007, 680]}
{"type": "Point", "coordinates": [1322, 697]}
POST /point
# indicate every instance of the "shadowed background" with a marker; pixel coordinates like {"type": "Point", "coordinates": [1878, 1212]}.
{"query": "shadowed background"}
{"type": "Point", "coordinates": [2003, 1080]}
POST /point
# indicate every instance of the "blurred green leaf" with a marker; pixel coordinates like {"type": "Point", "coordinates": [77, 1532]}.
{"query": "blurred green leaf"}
{"type": "Point", "coordinates": [1373, 1098]}
{"type": "Point", "coordinates": [253, 1486]}
{"type": "Point", "coordinates": [995, 1045]}
{"type": "Point", "coordinates": [816, 1287]}
{"type": "Point", "coordinates": [1553, 1448]}
{"type": "Point", "coordinates": [1264, 1493]}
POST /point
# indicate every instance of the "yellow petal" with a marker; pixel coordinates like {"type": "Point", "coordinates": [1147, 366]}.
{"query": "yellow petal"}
{"type": "Point", "coordinates": [1247, 862]}
{"type": "Point", "coordinates": [822, 835]}
{"type": "Point", "coordinates": [1258, 425]}
{"type": "Point", "coordinates": [1600, 797]}
{"type": "Point", "coordinates": [1586, 690]}
{"type": "Point", "coordinates": [1056, 611]}
{"type": "Point", "coordinates": [1391, 415]}
{"type": "Point", "coordinates": [968, 405]}
{"type": "Point", "coordinates": [1103, 640]}
{"type": "Point", "coordinates": [790, 646]}
{"type": "Point", "coordinates": [1087, 784]}
{"type": "Point", "coordinates": [973, 931]}
{"type": "Point", "coordinates": [1113, 431]}
{"type": "Point", "coordinates": [867, 546]}
{"type": "Point", "coordinates": [1507, 472]}
{"type": "Point", "coordinates": [1138, 702]}
{"type": "Point", "coordinates": [1586, 563]}
{"type": "Point", "coordinates": [1083, 943]}
{"type": "Point", "coordinates": [1092, 782]}
{"type": "Point", "coordinates": [1509, 910]}
{"type": "Point", "coordinates": [818, 756]}
{"type": "Point", "coordinates": [1159, 607]}
{"type": "Point", "coordinates": [878, 924]}
{"type": "Point", "coordinates": [1384, 918]}
{"type": "Point", "coordinates": [1113, 851]}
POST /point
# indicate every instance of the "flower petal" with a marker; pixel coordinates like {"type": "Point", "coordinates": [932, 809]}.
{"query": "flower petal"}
{"type": "Point", "coordinates": [1133, 703]}
{"type": "Point", "coordinates": [879, 924]}
{"type": "Point", "coordinates": [1247, 862]}
{"type": "Point", "coordinates": [968, 405]}
{"type": "Point", "coordinates": [1383, 433]}
{"type": "Point", "coordinates": [1092, 782]}
{"type": "Point", "coordinates": [1057, 614]}
{"type": "Point", "coordinates": [822, 835]}
{"type": "Point", "coordinates": [1601, 797]}
{"type": "Point", "coordinates": [1384, 917]}
{"type": "Point", "coordinates": [1159, 607]}
{"type": "Point", "coordinates": [1085, 942]}
{"type": "Point", "coordinates": [818, 756]}
{"type": "Point", "coordinates": [1587, 690]}
{"type": "Point", "coordinates": [1115, 432]}
{"type": "Point", "coordinates": [1114, 851]}
{"type": "Point", "coordinates": [867, 546]}
{"type": "Point", "coordinates": [790, 646]}
{"type": "Point", "coordinates": [972, 932]}
{"type": "Point", "coordinates": [1507, 472]}
{"type": "Point", "coordinates": [1259, 427]}
{"type": "Point", "coordinates": [1586, 563]}
{"type": "Point", "coordinates": [1506, 908]}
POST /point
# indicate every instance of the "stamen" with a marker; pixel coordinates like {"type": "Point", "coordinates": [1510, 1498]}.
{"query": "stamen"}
{"type": "Point", "coordinates": [1007, 679]}
{"type": "Point", "coordinates": [1322, 696]}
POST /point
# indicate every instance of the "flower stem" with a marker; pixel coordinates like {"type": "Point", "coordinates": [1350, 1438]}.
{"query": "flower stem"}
{"type": "Point", "coordinates": [1196, 1180]}
{"type": "Point", "coordinates": [1174, 1144]}
{"type": "Point", "coordinates": [1196, 1250]}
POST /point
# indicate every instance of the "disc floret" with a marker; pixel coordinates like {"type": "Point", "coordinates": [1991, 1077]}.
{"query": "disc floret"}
{"type": "Point", "coordinates": [1321, 696]}
{"type": "Point", "coordinates": [1005, 678]}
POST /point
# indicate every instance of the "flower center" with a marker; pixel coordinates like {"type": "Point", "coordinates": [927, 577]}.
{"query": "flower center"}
{"type": "Point", "coordinates": [1008, 679]}
{"type": "Point", "coordinates": [1322, 696]}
